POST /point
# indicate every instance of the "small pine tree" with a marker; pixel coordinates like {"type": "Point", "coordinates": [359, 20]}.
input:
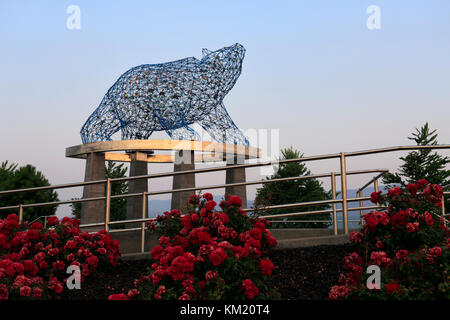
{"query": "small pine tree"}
{"type": "Point", "coordinates": [421, 164]}
{"type": "Point", "coordinates": [294, 191]}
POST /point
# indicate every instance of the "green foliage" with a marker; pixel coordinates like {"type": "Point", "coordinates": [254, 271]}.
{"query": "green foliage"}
{"type": "Point", "coordinates": [409, 242]}
{"type": "Point", "coordinates": [118, 205]}
{"type": "Point", "coordinates": [421, 164]}
{"type": "Point", "coordinates": [12, 177]}
{"type": "Point", "coordinates": [294, 191]}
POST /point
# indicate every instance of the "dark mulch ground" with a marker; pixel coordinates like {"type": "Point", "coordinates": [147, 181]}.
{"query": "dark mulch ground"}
{"type": "Point", "coordinates": [308, 273]}
{"type": "Point", "coordinates": [301, 274]}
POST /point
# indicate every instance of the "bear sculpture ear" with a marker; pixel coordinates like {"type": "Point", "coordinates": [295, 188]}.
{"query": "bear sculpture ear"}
{"type": "Point", "coordinates": [205, 52]}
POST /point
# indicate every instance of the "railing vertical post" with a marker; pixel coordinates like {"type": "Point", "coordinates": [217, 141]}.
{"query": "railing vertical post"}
{"type": "Point", "coordinates": [361, 213]}
{"type": "Point", "coordinates": [344, 192]}
{"type": "Point", "coordinates": [375, 188]}
{"type": "Point", "coordinates": [333, 191]}
{"type": "Point", "coordinates": [45, 222]}
{"type": "Point", "coordinates": [20, 213]}
{"type": "Point", "coordinates": [443, 208]}
{"type": "Point", "coordinates": [108, 203]}
{"type": "Point", "coordinates": [144, 213]}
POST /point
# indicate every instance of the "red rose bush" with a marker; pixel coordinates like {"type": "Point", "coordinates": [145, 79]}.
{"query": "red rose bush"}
{"type": "Point", "coordinates": [208, 255]}
{"type": "Point", "coordinates": [34, 259]}
{"type": "Point", "coordinates": [409, 242]}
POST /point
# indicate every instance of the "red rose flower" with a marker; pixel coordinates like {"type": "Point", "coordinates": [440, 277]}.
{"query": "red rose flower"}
{"type": "Point", "coordinates": [250, 290]}
{"type": "Point", "coordinates": [66, 221]}
{"type": "Point", "coordinates": [256, 233]}
{"type": "Point", "coordinates": [380, 257]}
{"type": "Point", "coordinates": [92, 261]}
{"type": "Point", "coordinates": [156, 252]}
{"type": "Point", "coordinates": [208, 196]}
{"type": "Point", "coordinates": [395, 191]}
{"type": "Point", "coordinates": [402, 255]}
{"type": "Point", "coordinates": [399, 219]}
{"type": "Point", "coordinates": [194, 199]}
{"type": "Point", "coordinates": [379, 244]}
{"type": "Point", "coordinates": [118, 296]}
{"type": "Point", "coordinates": [421, 183]}
{"type": "Point", "coordinates": [271, 241]}
{"type": "Point", "coordinates": [3, 292]}
{"type": "Point", "coordinates": [217, 256]}
{"type": "Point", "coordinates": [356, 237]}
{"type": "Point", "coordinates": [133, 293]}
{"type": "Point", "coordinates": [37, 293]}
{"type": "Point", "coordinates": [210, 275]}
{"type": "Point", "coordinates": [412, 227]}
{"type": "Point", "coordinates": [52, 221]}
{"type": "Point", "coordinates": [371, 222]}
{"type": "Point", "coordinates": [412, 188]}
{"type": "Point", "coordinates": [266, 266]}
{"type": "Point", "coordinates": [37, 226]}
{"type": "Point", "coordinates": [25, 291]}
{"type": "Point", "coordinates": [43, 265]}
{"type": "Point", "coordinates": [260, 225]}
{"type": "Point", "coordinates": [435, 252]}
{"type": "Point", "coordinates": [203, 237]}
{"type": "Point", "coordinates": [159, 292]}
{"type": "Point", "coordinates": [194, 218]}
{"type": "Point", "coordinates": [428, 218]}
{"type": "Point", "coordinates": [375, 197]}
{"type": "Point", "coordinates": [210, 205]}
{"type": "Point", "coordinates": [338, 292]}
{"type": "Point", "coordinates": [58, 265]}
{"type": "Point", "coordinates": [55, 285]}
{"type": "Point", "coordinates": [184, 297]}
{"type": "Point", "coordinates": [391, 288]}
{"type": "Point", "coordinates": [235, 201]}
{"type": "Point", "coordinates": [32, 234]}
{"type": "Point", "coordinates": [70, 245]}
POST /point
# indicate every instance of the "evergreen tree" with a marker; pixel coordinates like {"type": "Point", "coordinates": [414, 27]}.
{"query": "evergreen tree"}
{"type": "Point", "coordinates": [118, 205]}
{"type": "Point", "coordinates": [27, 176]}
{"type": "Point", "coordinates": [421, 164]}
{"type": "Point", "coordinates": [293, 191]}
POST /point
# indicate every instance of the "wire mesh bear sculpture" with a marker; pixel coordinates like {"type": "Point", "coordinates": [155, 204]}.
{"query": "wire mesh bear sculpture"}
{"type": "Point", "coordinates": [169, 97]}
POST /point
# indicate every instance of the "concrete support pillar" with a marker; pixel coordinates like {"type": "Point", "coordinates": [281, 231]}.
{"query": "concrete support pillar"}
{"type": "Point", "coordinates": [94, 211]}
{"type": "Point", "coordinates": [235, 176]}
{"type": "Point", "coordinates": [184, 160]}
{"type": "Point", "coordinates": [138, 167]}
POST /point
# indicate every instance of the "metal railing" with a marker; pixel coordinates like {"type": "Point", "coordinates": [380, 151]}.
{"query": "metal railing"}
{"type": "Point", "coordinates": [344, 200]}
{"type": "Point", "coordinates": [360, 190]}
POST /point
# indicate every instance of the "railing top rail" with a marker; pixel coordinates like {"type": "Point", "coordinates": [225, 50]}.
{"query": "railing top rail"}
{"type": "Point", "coordinates": [57, 186]}
{"type": "Point", "coordinates": [43, 204]}
{"type": "Point", "coordinates": [250, 165]}
{"type": "Point", "coordinates": [398, 148]}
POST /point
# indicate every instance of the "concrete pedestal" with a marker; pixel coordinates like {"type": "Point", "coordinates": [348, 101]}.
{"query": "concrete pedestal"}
{"type": "Point", "coordinates": [94, 211]}
{"type": "Point", "coordinates": [235, 176]}
{"type": "Point", "coordinates": [184, 160]}
{"type": "Point", "coordinates": [138, 167]}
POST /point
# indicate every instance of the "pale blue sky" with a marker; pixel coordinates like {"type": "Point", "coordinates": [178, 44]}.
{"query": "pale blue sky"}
{"type": "Point", "coordinates": [312, 69]}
